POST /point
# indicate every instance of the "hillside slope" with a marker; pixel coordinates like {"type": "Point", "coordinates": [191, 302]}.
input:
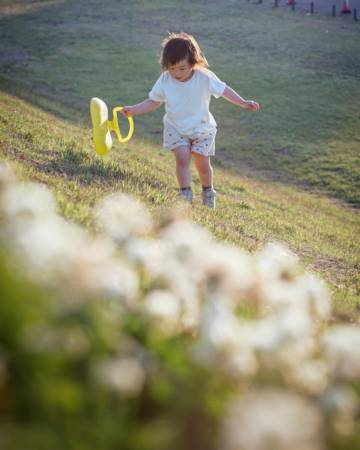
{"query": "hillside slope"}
{"type": "Point", "coordinates": [304, 71]}
{"type": "Point", "coordinates": [250, 212]}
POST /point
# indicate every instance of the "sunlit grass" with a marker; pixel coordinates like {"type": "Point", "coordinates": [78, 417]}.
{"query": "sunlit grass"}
{"type": "Point", "coordinates": [250, 212]}
{"type": "Point", "coordinates": [302, 69]}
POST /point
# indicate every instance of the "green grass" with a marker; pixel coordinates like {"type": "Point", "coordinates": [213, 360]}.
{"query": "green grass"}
{"type": "Point", "coordinates": [272, 169]}
{"type": "Point", "coordinates": [250, 212]}
{"type": "Point", "coordinates": [304, 70]}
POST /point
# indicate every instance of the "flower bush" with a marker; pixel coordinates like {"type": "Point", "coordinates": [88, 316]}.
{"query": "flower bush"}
{"type": "Point", "coordinates": [156, 336]}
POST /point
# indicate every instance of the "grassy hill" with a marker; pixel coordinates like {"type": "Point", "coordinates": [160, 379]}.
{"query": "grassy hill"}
{"type": "Point", "coordinates": [277, 172]}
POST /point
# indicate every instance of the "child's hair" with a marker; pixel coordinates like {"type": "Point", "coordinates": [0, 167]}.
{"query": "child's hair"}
{"type": "Point", "coordinates": [179, 46]}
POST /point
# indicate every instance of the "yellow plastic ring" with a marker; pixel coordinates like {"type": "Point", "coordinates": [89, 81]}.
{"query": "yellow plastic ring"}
{"type": "Point", "coordinates": [116, 125]}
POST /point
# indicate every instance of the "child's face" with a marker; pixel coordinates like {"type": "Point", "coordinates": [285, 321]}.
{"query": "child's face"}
{"type": "Point", "coordinates": [181, 71]}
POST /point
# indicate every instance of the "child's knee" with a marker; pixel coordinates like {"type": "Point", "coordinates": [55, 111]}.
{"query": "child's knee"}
{"type": "Point", "coordinates": [203, 164]}
{"type": "Point", "coordinates": [182, 156]}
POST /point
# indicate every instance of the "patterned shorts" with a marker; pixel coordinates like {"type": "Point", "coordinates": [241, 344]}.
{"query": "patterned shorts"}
{"type": "Point", "coordinates": [202, 142]}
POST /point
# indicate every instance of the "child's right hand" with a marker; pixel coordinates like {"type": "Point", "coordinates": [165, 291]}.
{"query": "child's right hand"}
{"type": "Point", "coordinates": [126, 111]}
{"type": "Point", "coordinates": [254, 106]}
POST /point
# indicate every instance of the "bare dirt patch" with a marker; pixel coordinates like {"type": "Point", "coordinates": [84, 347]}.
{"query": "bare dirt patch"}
{"type": "Point", "coordinates": [16, 7]}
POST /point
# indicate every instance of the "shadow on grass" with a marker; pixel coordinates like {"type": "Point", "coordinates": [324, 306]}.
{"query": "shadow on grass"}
{"type": "Point", "coordinates": [77, 165]}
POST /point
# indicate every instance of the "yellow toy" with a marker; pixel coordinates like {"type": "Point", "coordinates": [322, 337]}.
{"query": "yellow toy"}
{"type": "Point", "coordinates": [102, 127]}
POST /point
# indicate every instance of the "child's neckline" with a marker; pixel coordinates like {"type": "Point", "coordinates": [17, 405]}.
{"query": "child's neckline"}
{"type": "Point", "coordinates": [186, 81]}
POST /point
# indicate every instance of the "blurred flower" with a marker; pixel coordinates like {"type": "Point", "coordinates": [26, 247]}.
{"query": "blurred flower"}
{"type": "Point", "coordinates": [252, 319]}
{"type": "Point", "coordinates": [122, 216]}
{"type": "Point", "coordinates": [146, 253]}
{"type": "Point", "coordinates": [317, 297]}
{"type": "Point", "coordinates": [124, 375]}
{"type": "Point", "coordinates": [186, 238]}
{"type": "Point", "coordinates": [22, 201]}
{"type": "Point", "coordinates": [276, 261]}
{"type": "Point", "coordinates": [279, 294]}
{"type": "Point", "coordinates": [308, 376]}
{"type": "Point", "coordinates": [163, 309]}
{"type": "Point", "coordinates": [342, 405]}
{"type": "Point", "coordinates": [7, 176]}
{"type": "Point", "coordinates": [97, 270]}
{"type": "Point", "coordinates": [341, 345]}
{"type": "Point", "coordinates": [63, 255]}
{"type": "Point", "coordinates": [224, 343]}
{"type": "Point", "coordinates": [272, 419]}
{"type": "Point", "coordinates": [49, 244]}
{"type": "Point", "coordinates": [228, 271]}
{"type": "Point", "coordinates": [305, 293]}
{"type": "Point", "coordinates": [160, 266]}
{"type": "Point", "coordinates": [283, 340]}
{"type": "Point", "coordinates": [282, 329]}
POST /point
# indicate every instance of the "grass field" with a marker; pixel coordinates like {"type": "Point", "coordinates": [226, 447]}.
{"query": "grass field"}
{"type": "Point", "coordinates": [278, 172]}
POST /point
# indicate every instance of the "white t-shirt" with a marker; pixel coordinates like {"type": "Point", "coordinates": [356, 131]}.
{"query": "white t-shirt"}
{"type": "Point", "coordinates": [187, 102]}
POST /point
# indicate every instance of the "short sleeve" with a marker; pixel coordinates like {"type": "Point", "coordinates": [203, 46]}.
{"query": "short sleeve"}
{"type": "Point", "coordinates": [157, 91]}
{"type": "Point", "coordinates": [216, 86]}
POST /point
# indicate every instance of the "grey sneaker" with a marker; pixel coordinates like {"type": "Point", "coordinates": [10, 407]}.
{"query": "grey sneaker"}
{"type": "Point", "coordinates": [187, 194]}
{"type": "Point", "coordinates": [209, 197]}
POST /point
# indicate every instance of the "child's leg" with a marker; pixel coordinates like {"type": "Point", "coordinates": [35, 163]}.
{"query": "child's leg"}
{"type": "Point", "coordinates": [183, 158]}
{"type": "Point", "coordinates": [204, 169]}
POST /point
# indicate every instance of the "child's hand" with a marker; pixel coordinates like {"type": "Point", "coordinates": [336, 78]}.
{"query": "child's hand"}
{"type": "Point", "coordinates": [127, 110]}
{"type": "Point", "coordinates": [254, 106]}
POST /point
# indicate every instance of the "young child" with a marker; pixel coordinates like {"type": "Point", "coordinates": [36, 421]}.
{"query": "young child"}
{"type": "Point", "coordinates": [186, 86]}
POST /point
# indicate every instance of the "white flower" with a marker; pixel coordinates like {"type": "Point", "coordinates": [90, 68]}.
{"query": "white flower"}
{"type": "Point", "coordinates": [161, 266]}
{"type": "Point", "coordinates": [146, 253]}
{"type": "Point", "coordinates": [62, 254]}
{"type": "Point", "coordinates": [228, 270]}
{"type": "Point", "coordinates": [7, 176]}
{"type": "Point", "coordinates": [279, 294]}
{"type": "Point", "coordinates": [279, 287]}
{"type": "Point", "coordinates": [317, 297]}
{"type": "Point", "coordinates": [123, 216]}
{"type": "Point", "coordinates": [98, 270]}
{"type": "Point", "coordinates": [276, 261]}
{"type": "Point", "coordinates": [50, 245]}
{"type": "Point", "coordinates": [224, 343]}
{"type": "Point", "coordinates": [111, 277]}
{"type": "Point", "coordinates": [124, 375]}
{"type": "Point", "coordinates": [27, 200]}
{"type": "Point", "coordinates": [186, 241]}
{"type": "Point", "coordinates": [220, 328]}
{"type": "Point", "coordinates": [163, 309]}
{"type": "Point", "coordinates": [272, 419]}
{"type": "Point", "coordinates": [283, 339]}
{"type": "Point", "coordinates": [341, 345]}
{"type": "Point", "coordinates": [294, 324]}
{"type": "Point", "coordinates": [305, 293]}
{"type": "Point", "coordinates": [186, 237]}
{"type": "Point", "coordinates": [310, 376]}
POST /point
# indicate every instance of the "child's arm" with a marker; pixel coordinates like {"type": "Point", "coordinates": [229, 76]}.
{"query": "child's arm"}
{"type": "Point", "coordinates": [141, 108]}
{"type": "Point", "coordinates": [233, 97]}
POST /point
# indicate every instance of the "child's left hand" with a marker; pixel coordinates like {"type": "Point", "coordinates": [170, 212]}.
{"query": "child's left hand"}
{"type": "Point", "coordinates": [254, 106]}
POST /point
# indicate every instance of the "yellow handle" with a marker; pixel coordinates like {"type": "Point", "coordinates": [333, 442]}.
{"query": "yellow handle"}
{"type": "Point", "coordinates": [114, 125]}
